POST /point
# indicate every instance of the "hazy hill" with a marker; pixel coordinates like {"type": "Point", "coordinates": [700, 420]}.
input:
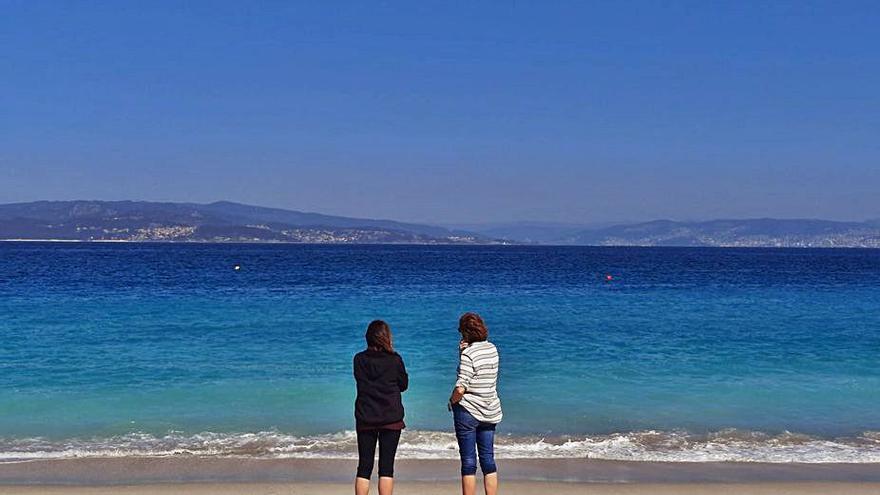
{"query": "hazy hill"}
{"type": "Point", "coordinates": [233, 222]}
{"type": "Point", "coordinates": [762, 232]}
{"type": "Point", "coordinates": [528, 232]}
{"type": "Point", "coordinates": [214, 222]}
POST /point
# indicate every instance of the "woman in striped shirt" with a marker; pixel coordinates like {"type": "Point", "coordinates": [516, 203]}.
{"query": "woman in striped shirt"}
{"type": "Point", "coordinates": [475, 404]}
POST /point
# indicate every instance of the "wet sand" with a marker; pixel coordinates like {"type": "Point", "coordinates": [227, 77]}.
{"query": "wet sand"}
{"type": "Point", "coordinates": [228, 476]}
{"type": "Point", "coordinates": [423, 488]}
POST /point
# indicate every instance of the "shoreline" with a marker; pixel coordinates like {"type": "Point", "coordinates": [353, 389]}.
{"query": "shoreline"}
{"type": "Point", "coordinates": [455, 244]}
{"type": "Point", "coordinates": [723, 446]}
{"type": "Point", "coordinates": [175, 470]}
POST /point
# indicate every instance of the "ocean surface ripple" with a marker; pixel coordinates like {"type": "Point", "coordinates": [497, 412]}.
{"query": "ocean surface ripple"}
{"type": "Point", "coordinates": [685, 354]}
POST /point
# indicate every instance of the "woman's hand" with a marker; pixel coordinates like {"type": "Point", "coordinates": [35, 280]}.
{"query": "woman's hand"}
{"type": "Point", "coordinates": [457, 394]}
{"type": "Point", "coordinates": [462, 345]}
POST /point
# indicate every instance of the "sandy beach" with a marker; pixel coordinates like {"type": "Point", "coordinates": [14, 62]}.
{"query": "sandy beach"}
{"type": "Point", "coordinates": [515, 488]}
{"type": "Point", "coordinates": [147, 476]}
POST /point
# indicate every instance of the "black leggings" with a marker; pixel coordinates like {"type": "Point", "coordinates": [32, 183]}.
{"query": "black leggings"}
{"type": "Point", "coordinates": [367, 452]}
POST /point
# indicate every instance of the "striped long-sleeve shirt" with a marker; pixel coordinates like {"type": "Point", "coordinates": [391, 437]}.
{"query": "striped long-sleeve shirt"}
{"type": "Point", "coordinates": [478, 376]}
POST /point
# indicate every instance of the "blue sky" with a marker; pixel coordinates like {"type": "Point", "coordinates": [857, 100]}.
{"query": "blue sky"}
{"type": "Point", "coordinates": [448, 112]}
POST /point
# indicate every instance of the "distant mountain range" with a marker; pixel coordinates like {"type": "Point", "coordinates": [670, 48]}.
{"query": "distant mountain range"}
{"type": "Point", "coordinates": [215, 222]}
{"type": "Point", "coordinates": [532, 232]}
{"type": "Point", "coordinates": [233, 222]}
{"type": "Point", "coordinates": [761, 232]}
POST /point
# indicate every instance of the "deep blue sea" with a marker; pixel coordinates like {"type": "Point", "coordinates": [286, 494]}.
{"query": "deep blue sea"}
{"type": "Point", "coordinates": [685, 354]}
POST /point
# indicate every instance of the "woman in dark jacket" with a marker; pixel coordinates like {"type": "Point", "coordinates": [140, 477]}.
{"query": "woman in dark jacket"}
{"type": "Point", "coordinates": [378, 410]}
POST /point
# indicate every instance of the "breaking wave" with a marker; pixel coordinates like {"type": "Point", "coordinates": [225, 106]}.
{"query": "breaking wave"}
{"type": "Point", "coordinates": [722, 446]}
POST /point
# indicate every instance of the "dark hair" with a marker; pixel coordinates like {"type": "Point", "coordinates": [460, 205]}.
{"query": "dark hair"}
{"type": "Point", "coordinates": [472, 328]}
{"type": "Point", "coordinates": [379, 337]}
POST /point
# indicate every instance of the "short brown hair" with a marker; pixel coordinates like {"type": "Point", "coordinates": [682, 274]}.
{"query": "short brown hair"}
{"type": "Point", "coordinates": [472, 328]}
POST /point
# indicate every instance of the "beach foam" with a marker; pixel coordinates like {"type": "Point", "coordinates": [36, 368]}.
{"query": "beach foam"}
{"type": "Point", "coordinates": [727, 445]}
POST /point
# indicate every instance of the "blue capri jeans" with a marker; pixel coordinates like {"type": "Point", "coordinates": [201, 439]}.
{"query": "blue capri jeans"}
{"type": "Point", "coordinates": [474, 436]}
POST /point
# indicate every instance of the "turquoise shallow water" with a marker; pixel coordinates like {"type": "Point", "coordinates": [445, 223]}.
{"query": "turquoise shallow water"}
{"type": "Point", "coordinates": [691, 354]}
